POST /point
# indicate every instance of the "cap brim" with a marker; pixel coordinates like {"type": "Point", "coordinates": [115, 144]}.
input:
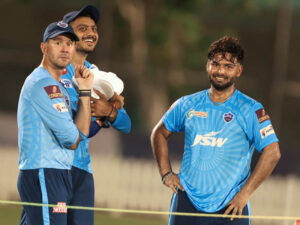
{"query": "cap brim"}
{"type": "Point", "coordinates": [89, 9]}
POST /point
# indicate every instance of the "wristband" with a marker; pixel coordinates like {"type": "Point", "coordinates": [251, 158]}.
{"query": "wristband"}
{"type": "Point", "coordinates": [164, 177]}
{"type": "Point", "coordinates": [85, 92]}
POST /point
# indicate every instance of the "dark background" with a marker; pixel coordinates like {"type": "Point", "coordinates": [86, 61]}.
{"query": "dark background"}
{"type": "Point", "coordinates": [158, 48]}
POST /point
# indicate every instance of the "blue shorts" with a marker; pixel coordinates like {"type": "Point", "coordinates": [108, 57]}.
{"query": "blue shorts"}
{"type": "Point", "coordinates": [82, 195]}
{"type": "Point", "coordinates": [181, 203]}
{"type": "Point", "coordinates": [47, 186]}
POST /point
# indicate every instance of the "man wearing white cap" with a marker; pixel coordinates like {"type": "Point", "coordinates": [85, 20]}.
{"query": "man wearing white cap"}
{"type": "Point", "coordinates": [84, 23]}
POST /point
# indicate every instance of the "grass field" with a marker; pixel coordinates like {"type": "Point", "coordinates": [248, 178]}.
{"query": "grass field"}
{"type": "Point", "coordinates": [10, 215]}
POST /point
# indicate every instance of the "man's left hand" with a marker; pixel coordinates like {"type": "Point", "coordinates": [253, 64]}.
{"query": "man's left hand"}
{"type": "Point", "coordinates": [117, 101]}
{"type": "Point", "coordinates": [237, 204]}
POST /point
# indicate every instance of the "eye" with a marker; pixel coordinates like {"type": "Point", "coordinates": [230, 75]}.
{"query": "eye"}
{"type": "Point", "coordinates": [69, 43]}
{"type": "Point", "coordinates": [82, 28]}
{"type": "Point", "coordinates": [95, 29]}
{"type": "Point", "coordinates": [229, 66]}
{"type": "Point", "coordinates": [57, 43]}
{"type": "Point", "coordinates": [215, 64]}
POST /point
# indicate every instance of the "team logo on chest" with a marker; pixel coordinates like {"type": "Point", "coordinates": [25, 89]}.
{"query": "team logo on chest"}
{"type": "Point", "coordinates": [228, 117]}
{"type": "Point", "coordinates": [66, 83]}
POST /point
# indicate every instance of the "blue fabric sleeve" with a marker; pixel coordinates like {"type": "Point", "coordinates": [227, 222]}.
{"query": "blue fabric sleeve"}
{"type": "Point", "coordinates": [263, 132]}
{"type": "Point", "coordinates": [94, 129]}
{"type": "Point", "coordinates": [122, 122]}
{"type": "Point", "coordinates": [174, 118]}
{"type": "Point", "coordinates": [54, 113]}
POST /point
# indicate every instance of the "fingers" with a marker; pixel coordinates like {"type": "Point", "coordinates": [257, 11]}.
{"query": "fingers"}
{"type": "Point", "coordinates": [102, 96]}
{"type": "Point", "coordinates": [235, 209]}
{"type": "Point", "coordinates": [82, 71]}
{"type": "Point", "coordinates": [228, 210]}
{"type": "Point", "coordinates": [85, 72]}
{"type": "Point", "coordinates": [173, 182]}
{"type": "Point", "coordinates": [180, 186]}
{"type": "Point", "coordinates": [173, 187]}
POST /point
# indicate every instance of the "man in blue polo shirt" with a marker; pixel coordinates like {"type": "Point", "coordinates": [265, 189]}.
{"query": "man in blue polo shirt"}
{"type": "Point", "coordinates": [222, 128]}
{"type": "Point", "coordinates": [47, 133]}
{"type": "Point", "coordinates": [84, 23]}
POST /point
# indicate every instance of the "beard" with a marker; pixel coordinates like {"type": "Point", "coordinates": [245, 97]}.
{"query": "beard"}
{"type": "Point", "coordinates": [224, 86]}
{"type": "Point", "coordinates": [85, 49]}
{"type": "Point", "coordinates": [59, 65]}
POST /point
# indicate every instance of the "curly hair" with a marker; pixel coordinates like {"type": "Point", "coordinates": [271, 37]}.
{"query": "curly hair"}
{"type": "Point", "coordinates": [227, 45]}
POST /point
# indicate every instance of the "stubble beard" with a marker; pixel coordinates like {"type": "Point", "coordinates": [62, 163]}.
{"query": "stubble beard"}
{"type": "Point", "coordinates": [221, 87]}
{"type": "Point", "coordinates": [82, 49]}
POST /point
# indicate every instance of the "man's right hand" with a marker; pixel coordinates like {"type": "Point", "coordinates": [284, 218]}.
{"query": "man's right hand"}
{"type": "Point", "coordinates": [173, 182]}
{"type": "Point", "coordinates": [84, 77]}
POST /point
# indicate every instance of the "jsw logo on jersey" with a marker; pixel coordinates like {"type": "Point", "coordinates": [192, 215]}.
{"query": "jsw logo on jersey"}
{"type": "Point", "coordinates": [209, 140]}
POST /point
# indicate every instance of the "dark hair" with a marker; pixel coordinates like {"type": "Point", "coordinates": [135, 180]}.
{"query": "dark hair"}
{"type": "Point", "coordinates": [227, 45]}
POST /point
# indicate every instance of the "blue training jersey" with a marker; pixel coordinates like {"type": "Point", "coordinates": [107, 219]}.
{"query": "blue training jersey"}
{"type": "Point", "coordinates": [82, 159]}
{"type": "Point", "coordinates": [219, 143]}
{"type": "Point", "coordinates": [45, 124]}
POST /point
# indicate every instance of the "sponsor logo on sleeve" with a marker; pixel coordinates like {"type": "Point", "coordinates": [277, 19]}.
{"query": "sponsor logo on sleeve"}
{"type": "Point", "coordinates": [193, 113]}
{"type": "Point", "coordinates": [266, 131]}
{"type": "Point", "coordinates": [60, 208]}
{"type": "Point", "coordinates": [262, 115]}
{"type": "Point", "coordinates": [53, 91]}
{"type": "Point", "coordinates": [228, 117]}
{"type": "Point", "coordinates": [60, 107]}
{"type": "Point", "coordinates": [66, 83]}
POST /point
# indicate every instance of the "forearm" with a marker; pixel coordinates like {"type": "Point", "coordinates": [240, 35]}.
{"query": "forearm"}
{"type": "Point", "coordinates": [83, 116]}
{"type": "Point", "coordinates": [160, 149]}
{"type": "Point", "coordinates": [265, 165]}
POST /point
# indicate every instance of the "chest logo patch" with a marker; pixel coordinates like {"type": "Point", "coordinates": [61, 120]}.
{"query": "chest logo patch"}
{"type": "Point", "coordinates": [193, 113]}
{"type": "Point", "coordinates": [53, 91]}
{"type": "Point", "coordinates": [228, 117]}
{"type": "Point", "coordinates": [66, 83]}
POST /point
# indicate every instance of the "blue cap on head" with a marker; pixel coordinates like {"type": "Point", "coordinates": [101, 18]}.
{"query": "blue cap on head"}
{"type": "Point", "coordinates": [88, 9]}
{"type": "Point", "coordinates": [57, 28]}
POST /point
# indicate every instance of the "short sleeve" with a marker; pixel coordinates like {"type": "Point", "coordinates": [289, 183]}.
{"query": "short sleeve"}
{"type": "Point", "coordinates": [48, 100]}
{"type": "Point", "coordinates": [173, 119]}
{"type": "Point", "coordinates": [263, 131]}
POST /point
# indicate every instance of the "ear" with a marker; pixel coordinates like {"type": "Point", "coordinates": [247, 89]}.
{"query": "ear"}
{"type": "Point", "coordinates": [43, 47]}
{"type": "Point", "coordinates": [240, 70]}
{"type": "Point", "coordinates": [207, 64]}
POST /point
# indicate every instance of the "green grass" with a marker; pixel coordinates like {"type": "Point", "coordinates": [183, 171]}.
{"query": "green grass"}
{"type": "Point", "coordinates": [10, 215]}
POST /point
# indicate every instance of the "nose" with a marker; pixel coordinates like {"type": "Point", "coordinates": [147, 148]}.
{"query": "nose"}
{"type": "Point", "coordinates": [221, 69]}
{"type": "Point", "coordinates": [65, 47]}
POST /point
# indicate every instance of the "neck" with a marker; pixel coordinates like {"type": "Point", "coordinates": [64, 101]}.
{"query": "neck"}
{"type": "Point", "coordinates": [221, 96]}
{"type": "Point", "coordinates": [79, 58]}
{"type": "Point", "coordinates": [54, 71]}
